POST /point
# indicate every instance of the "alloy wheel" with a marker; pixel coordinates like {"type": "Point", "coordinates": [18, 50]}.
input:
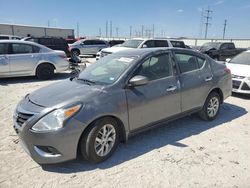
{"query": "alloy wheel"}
{"type": "Point", "coordinates": [213, 107]}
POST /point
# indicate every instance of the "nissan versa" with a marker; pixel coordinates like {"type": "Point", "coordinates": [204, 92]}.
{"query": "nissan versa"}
{"type": "Point", "coordinates": [120, 95]}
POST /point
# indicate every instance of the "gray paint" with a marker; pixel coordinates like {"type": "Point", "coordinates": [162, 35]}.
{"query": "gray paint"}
{"type": "Point", "coordinates": [136, 107]}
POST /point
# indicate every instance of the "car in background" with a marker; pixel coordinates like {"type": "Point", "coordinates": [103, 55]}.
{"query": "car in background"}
{"type": "Point", "coordinates": [178, 44]}
{"type": "Point", "coordinates": [118, 96]}
{"type": "Point", "coordinates": [135, 43]}
{"type": "Point", "coordinates": [240, 68]}
{"type": "Point", "coordinates": [9, 37]}
{"type": "Point", "coordinates": [115, 42]}
{"type": "Point", "coordinates": [53, 43]}
{"type": "Point", "coordinates": [87, 46]}
{"type": "Point", "coordinates": [24, 58]}
{"type": "Point", "coordinates": [220, 51]}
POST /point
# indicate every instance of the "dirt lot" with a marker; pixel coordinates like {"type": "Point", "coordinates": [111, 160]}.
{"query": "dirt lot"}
{"type": "Point", "coordinates": [186, 153]}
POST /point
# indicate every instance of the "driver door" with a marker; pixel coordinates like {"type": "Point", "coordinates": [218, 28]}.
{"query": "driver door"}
{"type": "Point", "coordinates": [4, 61]}
{"type": "Point", "coordinates": [157, 100]}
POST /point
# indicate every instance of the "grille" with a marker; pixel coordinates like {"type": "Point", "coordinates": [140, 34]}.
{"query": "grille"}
{"type": "Point", "coordinates": [236, 84]}
{"type": "Point", "coordinates": [22, 118]}
{"type": "Point", "coordinates": [245, 87]}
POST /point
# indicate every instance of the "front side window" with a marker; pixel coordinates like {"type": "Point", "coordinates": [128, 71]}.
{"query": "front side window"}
{"type": "Point", "coordinates": [161, 43]}
{"type": "Point", "coordinates": [186, 62]}
{"type": "Point", "coordinates": [21, 49]}
{"type": "Point", "coordinates": [108, 69]}
{"type": "Point", "coordinates": [156, 67]}
{"type": "Point", "coordinates": [3, 48]}
{"type": "Point", "coordinates": [150, 44]}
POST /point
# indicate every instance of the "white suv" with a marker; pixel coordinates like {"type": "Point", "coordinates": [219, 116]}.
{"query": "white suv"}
{"type": "Point", "coordinates": [135, 43]}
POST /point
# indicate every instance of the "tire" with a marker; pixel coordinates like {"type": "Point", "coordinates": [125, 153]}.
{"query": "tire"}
{"type": "Point", "coordinates": [45, 71]}
{"type": "Point", "coordinates": [92, 143]}
{"type": "Point", "coordinates": [76, 52]}
{"type": "Point", "coordinates": [211, 107]}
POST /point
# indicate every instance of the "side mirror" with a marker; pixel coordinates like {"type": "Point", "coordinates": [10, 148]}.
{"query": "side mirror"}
{"type": "Point", "coordinates": [138, 81]}
{"type": "Point", "coordinates": [144, 46]}
{"type": "Point", "coordinates": [228, 59]}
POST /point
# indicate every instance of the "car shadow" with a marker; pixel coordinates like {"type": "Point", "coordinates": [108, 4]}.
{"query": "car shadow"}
{"type": "Point", "coordinates": [153, 139]}
{"type": "Point", "coordinates": [31, 79]}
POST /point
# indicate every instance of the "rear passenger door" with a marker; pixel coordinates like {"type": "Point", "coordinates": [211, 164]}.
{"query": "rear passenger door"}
{"type": "Point", "coordinates": [4, 61]}
{"type": "Point", "coordinates": [23, 58]}
{"type": "Point", "coordinates": [195, 79]}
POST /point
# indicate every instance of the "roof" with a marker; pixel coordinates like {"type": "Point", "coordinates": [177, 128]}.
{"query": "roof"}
{"type": "Point", "coordinates": [34, 26]}
{"type": "Point", "coordinates": [22, 42]}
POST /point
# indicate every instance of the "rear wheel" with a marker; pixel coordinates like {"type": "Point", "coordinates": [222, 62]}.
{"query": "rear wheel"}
{"type": "Point", "coordinates": [211, 107]}
{"type": "Point", "coordinates": [45, 71]}
{"type": "Point", "coordinates": [100, 141]}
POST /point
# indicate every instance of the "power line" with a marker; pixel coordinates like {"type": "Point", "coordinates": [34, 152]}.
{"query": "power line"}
{"type": "Point", "coordinates": [224, 29]}
{"type": "Point", "coordinates": [208, 18]}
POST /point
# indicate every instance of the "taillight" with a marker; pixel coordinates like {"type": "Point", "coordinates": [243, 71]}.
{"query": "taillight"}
{"type": "Point", "coordinates": [227, 70]}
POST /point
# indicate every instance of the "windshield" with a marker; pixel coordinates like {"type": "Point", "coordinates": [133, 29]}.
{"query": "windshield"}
{"type": "Point", "coordinates": [107, 70]}
{"type": "Point", "coordinates": [212, 45]}
{"type": "Point", "coordinates": [132, 43]}
{"type": "Point", "coordinates": [243, 59]}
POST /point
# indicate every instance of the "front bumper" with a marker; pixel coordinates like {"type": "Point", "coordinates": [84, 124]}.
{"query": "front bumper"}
{"type": "Point", "coordinates": [47, 147]}
{"type": "Point", "coordinates": [241, 85]}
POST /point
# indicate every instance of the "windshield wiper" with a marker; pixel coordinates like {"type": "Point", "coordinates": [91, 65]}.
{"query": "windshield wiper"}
{"type": "Point", "coordinates": [86, 80]}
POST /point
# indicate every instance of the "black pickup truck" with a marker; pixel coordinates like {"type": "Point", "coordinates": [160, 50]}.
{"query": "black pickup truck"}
{"type": "Point", "coordinates": [220, 50]}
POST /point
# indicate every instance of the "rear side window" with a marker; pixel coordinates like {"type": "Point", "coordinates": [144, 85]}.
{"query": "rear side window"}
{"type": "Point", "coordinates": [21, 49]}
{"type": "Point", "coordinates": [161, 43]}
{"type": "Point", "coordinates": [186, 62]}
{"type": "Point", "coordinates": [36, 49]}
{"type": "Point", "coordinates": [4, 37]}
{"type": "Point", "coordinates": [178, 44]}
{"type": "Point", "coordinates": [200, 61]}
{"type": "Point", "coordinates": [3, 48]}
{"type": "Point", "coordinates": [156, 67]}
{"type": "Point", "coordinates": [99, 42]}
{"type": "Point", "coordinates": [88, 42]}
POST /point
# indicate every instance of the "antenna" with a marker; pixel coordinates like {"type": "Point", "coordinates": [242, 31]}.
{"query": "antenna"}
{"type": "Point", "coordinates": [224, 29]}
{"type": "Point", "coordinates": [207, 17]}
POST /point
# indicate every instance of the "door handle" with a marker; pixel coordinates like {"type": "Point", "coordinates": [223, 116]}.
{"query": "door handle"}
{"type": "Point", "coordinates": [171, 88]}
{"type": "Point", "coordinates": [208, 79]}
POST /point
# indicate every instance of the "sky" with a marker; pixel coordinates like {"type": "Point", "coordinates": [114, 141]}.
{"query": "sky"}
{"type": "Point", "coordinates": [171, 18]}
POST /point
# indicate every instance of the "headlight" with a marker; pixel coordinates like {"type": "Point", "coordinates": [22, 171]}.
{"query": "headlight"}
{"type": "Point", "coordinates": [54, 120]}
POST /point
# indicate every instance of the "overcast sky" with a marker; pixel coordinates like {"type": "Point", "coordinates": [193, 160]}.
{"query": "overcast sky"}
{"type": "Point", "coordinates": [172, 18]}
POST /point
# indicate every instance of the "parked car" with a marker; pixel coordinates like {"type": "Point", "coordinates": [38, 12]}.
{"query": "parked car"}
{"type": "Point", "coordinates": [178, 44]}
{"type": "Point", "coordinates": [134, 43]}
{"type": "Point", "coordinates": [117, 97]}
{"type": "Point", "coordinates": [220, 51]}
{"type": "Point", "coordinates": [23, 58]}
{"type": "Point", "coordinates": [115, 42]}
{"type": "Point", "coordinates": [240, 67]}
{"type": "Point", "coordinates": [9, 37]}
{"type": "Point", "coordinates": [87, 46]}
{"type": "Point", "coordinates": [53, 43]}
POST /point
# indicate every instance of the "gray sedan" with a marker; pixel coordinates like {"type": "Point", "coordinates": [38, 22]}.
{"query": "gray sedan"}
{"type": "Point", "coordinates": [117, 97]}
{"type": "Point", "coordinates": [23, 58]}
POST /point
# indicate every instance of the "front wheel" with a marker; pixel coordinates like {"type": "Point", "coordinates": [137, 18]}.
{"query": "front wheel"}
{"type": "Point", "coordinates": [211, 107]}
{"type": "Point", "coordinates": [100, 141]}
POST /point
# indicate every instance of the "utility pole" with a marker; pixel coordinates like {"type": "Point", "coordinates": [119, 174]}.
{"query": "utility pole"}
{"type": "Point", "coordinates": [208, 18]}
{"type": "Point", "coordinates": [117, 30]}
{"type": "Point", "coordinates": [153, 31]}
{"type": "Point", "coordinates": [107, 27]}
{"type": "Point", "coordinates": [77, 29]}
{"type": "Point", "coordinates": [111, 29]}
{"type": "Point", "coordinates": [224, 30]}
{"type": "Point", "coordinates": [48, 23]}
{"type": "Point", "coordinates": [142, 30]}
{"type": "Point", "coordinates": [130, 32]}
{"type": "Point", "coordinates": [100, 32]}
{"type": "Point", "coordinates": [201, 22]}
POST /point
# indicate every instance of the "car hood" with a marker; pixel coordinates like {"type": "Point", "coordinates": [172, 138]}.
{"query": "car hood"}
{"type": "Point", "coordinates": [115, 49]}
{"type": "Point", "coordinates": [64, 92]}
{"type": "Point", "coordinates": [239, 70]}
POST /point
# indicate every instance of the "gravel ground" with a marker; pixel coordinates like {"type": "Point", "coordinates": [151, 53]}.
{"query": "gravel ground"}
{"type": "Point", "coordinates": [185, 153]}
